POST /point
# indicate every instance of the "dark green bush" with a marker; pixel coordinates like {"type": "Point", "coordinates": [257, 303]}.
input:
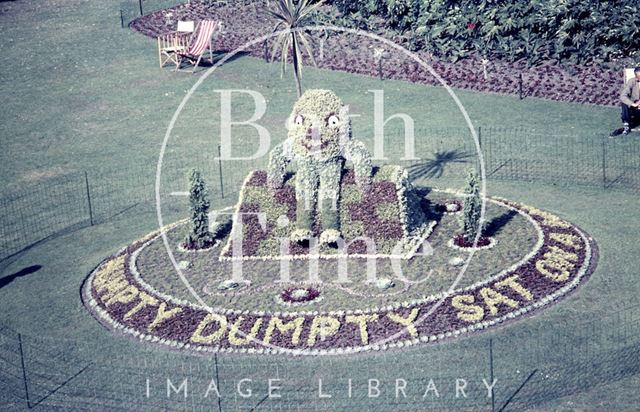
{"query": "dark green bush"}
{"type": "Point", "coordinates": [472, 208]}
{"type": "Point", "coordinates": [574, 31]}
{"type": "Point", "coordinates": [199, 236]}
{"type": "Point", "coordinates": [400, 15]}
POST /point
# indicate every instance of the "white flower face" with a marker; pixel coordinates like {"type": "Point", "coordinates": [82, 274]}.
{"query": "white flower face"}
{"type": "Point", "coordinates": [316, 124]}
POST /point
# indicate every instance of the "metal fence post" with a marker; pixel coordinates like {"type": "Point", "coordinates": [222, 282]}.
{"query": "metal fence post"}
{"type": "Point", "coordinates": [140, 5]}
{"type": "Point", "coordinates": [86, 182]}
{"type": "Point", "coordinates": [121, 20]}
{"type": "Point", "coordinates": [480, 147]}
{"type": "Point", "coordinates": [520, 86]}
{"type": "Point", "coordinates": [220, 172]}
{"type": "Point", "coordinates": [24, 372]}
{"type": "Point", "coordinates": [215, 358]}
{"type": "Point", "coordinates": [604, 164]}
{"type": "Point", "coordinates": [265, 50]}
{"type": "Point", "coordinates": [493, 402]}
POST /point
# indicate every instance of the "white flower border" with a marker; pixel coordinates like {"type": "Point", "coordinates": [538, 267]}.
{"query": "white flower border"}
{"type": "Point", "coordinates": [105, 318]}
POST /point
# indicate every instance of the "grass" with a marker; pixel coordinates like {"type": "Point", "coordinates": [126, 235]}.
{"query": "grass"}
{"type": "Point", "coordinates": [111, 100]}
{"type": "Point", "coordinates": [79, 93]}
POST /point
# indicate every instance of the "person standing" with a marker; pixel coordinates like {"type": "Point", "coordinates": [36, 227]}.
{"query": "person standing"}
{"type": "Point", "coordinates": [630, 102]}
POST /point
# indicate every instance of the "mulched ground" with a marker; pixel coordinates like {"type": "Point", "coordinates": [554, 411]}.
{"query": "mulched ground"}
{"type": "Point", "coordinates": [354, 54]}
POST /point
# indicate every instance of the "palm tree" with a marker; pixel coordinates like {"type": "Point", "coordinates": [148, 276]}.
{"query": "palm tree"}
{"type": "Point", "coordinates": [291, 16]}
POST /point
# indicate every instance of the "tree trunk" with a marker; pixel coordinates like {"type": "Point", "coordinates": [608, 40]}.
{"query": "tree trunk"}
{"type": "Point", "coordinates": [296, 64]}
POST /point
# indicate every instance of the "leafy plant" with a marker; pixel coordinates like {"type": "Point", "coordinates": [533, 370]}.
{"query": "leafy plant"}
{"type": "Point", "coordinates": [292, 16]}
{"type": "Point", "coordinates": [402, 14]}
{"type": "Point", "coordinates": [573, 31]}
{"type": "Point", "coordinates": [199, 236]}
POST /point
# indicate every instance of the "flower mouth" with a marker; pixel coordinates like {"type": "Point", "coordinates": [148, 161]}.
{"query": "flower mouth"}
{"type": "Point", "coordinates": [314, 145]}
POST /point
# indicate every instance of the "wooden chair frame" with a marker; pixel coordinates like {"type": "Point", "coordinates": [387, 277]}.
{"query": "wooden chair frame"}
{"type": "Point", "coordinates": [172, 43]}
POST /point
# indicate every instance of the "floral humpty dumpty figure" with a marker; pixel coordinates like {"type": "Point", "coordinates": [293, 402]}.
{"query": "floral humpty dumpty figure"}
{"type": "Point", "coordinates": [319, 143]}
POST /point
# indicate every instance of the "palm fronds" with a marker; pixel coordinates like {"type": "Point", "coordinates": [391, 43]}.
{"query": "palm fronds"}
{"type": "Point", "coordinates": [291, 17]}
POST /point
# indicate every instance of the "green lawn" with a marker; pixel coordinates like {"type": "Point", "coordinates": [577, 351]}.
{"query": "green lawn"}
{"type": "Point", "coordinates": [80, 93]}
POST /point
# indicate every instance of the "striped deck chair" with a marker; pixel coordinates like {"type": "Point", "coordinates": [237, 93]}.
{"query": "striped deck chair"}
{"type": "Point", "coordinates": [198, 46]}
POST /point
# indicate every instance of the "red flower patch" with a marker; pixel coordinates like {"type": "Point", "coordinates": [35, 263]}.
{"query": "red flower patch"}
{"type": "Point", "coordinates": [460, 241]}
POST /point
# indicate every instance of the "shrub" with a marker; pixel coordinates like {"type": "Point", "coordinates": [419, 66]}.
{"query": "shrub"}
{"type": "Point", "coordinates": [471, 210]}
{"type": "Point", "coordinates": [199, 236]}
{"type": "Point", "coordinates": [403, 15]}
{"type": "Point", "coordinates": [574, 31]}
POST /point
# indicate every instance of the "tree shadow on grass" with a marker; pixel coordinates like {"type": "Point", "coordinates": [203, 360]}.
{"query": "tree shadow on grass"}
{"type": "Point", "coordinates": [429, 208]}
{"type": "Point", "coordinates": [434, 168]}
{"type": "Point", "coordinates": [22, 272]}
{"type": "Point", "coordinates": [220, 54]}
{"type": "Point", "coordinates": [8, 260]}
{"type": "Point", "coordinates": [496, 224]}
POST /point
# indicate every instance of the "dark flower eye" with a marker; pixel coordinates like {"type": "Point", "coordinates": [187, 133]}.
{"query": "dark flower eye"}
{"type": "Point", "coordinates": [299, 120]}
{"type": "Point", "coordinates": [333, 120]}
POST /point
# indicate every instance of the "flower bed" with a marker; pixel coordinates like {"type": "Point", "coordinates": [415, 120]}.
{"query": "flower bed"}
{"type": "Point", "coordinates": [380, 215]}
{"type": "Point", "coordinates": [562, 259]}
{"type": "Point", "coordinates": [460, 243]}
{"type": "Point", "coordinates": [245, 22]}
{"type": "Point", "coordinates": [296, 296]}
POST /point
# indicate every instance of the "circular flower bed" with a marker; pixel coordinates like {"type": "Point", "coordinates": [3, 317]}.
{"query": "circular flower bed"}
{"type": "Point", "coordinates": [385, 283]}
{"type": "Point", "coordinates": [460, 242]}
{"type": "Point", "coordinates": [298, 296]}
{"type": "Point", "coordinates": [452, 206]}
{"type": "Point", "coordinates": [562, 259]}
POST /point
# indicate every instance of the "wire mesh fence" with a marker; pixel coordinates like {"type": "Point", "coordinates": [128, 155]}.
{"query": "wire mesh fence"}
{"type": "Point", "coordinates": [529, 365]}
{"type": "Point", "coordinates": [60, 374]}
{"type": "Point", "coordinates": [132, 9]}
{"type": "Point", "coordinates": [92, 197]}
{"type": "Point", "coordinates": [525, 155]}
{"type": "Point", "coordinates": [95, 196]}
